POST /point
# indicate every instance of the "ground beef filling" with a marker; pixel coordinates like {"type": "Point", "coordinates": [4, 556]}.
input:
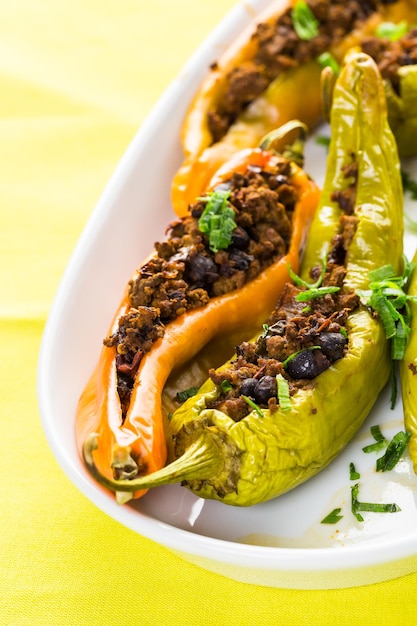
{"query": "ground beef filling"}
{"type": "Point", "coordinates": [185, 274]}
{"type": "Point", "coordinates": [315, 333]}
{"type": "Point", "coordinates": [391, 55]}
{"type": "Point", "coordinates": [279, 48]}
{"type": "Point", "coordinates": [301, 339]}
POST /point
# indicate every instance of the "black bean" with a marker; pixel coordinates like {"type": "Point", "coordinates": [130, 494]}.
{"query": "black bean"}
{"type": "Point", "coordinates": [241, 260]}
{"type": "Point", "coordinates": [307, 364]}
{"type": "Point", "coordinates": [332, 345]}
{"type": "Point", "coordinates": [265, 389]}
{"type": "Point", "coordinates": [199, 267]}
{"type": "Point", "coordinates": [240, 238]}
{"type": "Point", "coordinates": [248, 387]}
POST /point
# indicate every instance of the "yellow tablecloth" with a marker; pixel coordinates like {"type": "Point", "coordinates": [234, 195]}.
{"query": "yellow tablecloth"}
{"type": "Point", "coordinates": [77, 78]}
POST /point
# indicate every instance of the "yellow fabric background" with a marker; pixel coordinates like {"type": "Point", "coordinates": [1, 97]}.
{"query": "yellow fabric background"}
{"type": "Point", "coordinates": [77, 78]}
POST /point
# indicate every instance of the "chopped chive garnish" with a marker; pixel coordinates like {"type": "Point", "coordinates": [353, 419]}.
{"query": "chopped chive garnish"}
{"type": "Point", "coordinates": [387, 295]}
{"type": "Point", "coordinates": [317, 292]}
{"type": "Point", "coordinates": [303, 283]}
{"type": "Point", "coordinates": [326, 59]}
{"type": "Point", "coordinates": [393, 453]}
{"type": "Point", "coordinates": [380, 440]}
{"type": "Point", "coordinates": [354, 491]}
{"type": "Point", "coordinates": [409, 267]}
{"type": "Point", "coordinates": [376, 433]}
{"type": "Point", "coordinates": [313, 290]}
{"type": "Point", "coordinates": [382, 273]}
{"type": "Point", "coordinates": [265, 330]}
{"type": "Point", "coordinates": [333, 517]}
{"type": "Point", "coordinates": [283, 393]}
{"type": "Point", "coordinates": [374, 447]}
{"type": "Point", "coordinates": [305, 24]}
{"type": "Point", "coordinates": [386, 312]}
{"type": "Point", "coordinates": [372, 507]}
{"type": "Point", "coordinates": [391, 31]}
{"type": "Point", "coordinates": [187, 393]}
{"type": "Point", "coordinates": [253, 405]}
{"type": "Point", "coordinates": [322, 140]}
{"type": "Point", "coordinates": [353, 474]}
{"type": "Point", "coordinates": [343, 332]}
{"type": "Point", "coordinates": [401, 340]}
{"type": "Point", "coordinates": [217, 220]}
{"type": "Point", "coordinates": [376, 507]}
{"type": "Point", "coordinates": [225, 386]}
{"type": "Point", "coordinates": [296, 279]}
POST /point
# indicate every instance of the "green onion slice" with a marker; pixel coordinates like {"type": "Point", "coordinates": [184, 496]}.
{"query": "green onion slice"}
{"type": "Point", "coordinates": [380, 440]}
{"type": "Point", "coordinates": [354, 492]}
{"type": "Point", "coordinates": [317, 292]}
{"type": "Point", "coordinates": [303, 283]}
{"type": "Point", "coordinates": [400, 341]}
{"type": "Point", "coordinates": [391, 31]}
{"type": "Point", "coordinates": [333, 517]}
{"type": "Point", "coordinates": [323, 140]}
{"type": "Point", "coordinates": [387, 295]}
{"type": "Point", "coordinates": [326, 59]}
{"type": "Point", "coordinates": [353, 474]}
{"type": "Point", "coordinates": [382, 273]}
{"type": "Point", "coordinates": [265, 330]}
{"type": "Point", "coordinates": [372, 507]}
{"type": "Point", "coordinates": [187, 393]}
{"type": "Point", "coordinates": [305, 24]}
{"type": "Point", "coordinates": [283, 393]}
{"type": "Point", "coordinates": [217, 220]}
{"type": "Point", "coordinates": [225, 386]}
{"type": "Point", "coordinates": [253, 405]}
{"type": "Point", "coordinates": [393, 453]}
{"type": "Point", "coordinates": [376, 433]}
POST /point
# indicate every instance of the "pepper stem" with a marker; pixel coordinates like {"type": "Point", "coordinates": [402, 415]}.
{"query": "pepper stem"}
{"type": "Point", "coordinates": [201, 460]}
{"type": "Point", "coordinates": [294, 151]}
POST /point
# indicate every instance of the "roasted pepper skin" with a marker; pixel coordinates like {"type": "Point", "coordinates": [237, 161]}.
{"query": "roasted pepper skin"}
{"type": "Point", "coordinates": [260, 457]}
{"type": "Point", "coordinates": [402, 110]}
{"type": "Point", "coordinates": [408, 373]}
{"type": "Point", "coordinates": [293, 94]}
{"type": "Point", "coordinates": [141, 434]}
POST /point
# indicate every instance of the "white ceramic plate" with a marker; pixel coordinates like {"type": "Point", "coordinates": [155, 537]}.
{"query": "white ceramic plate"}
{"type": "Point", "coordinates": [280, 543]}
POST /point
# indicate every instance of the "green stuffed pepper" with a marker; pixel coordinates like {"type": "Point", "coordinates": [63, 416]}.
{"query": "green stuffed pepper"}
{"type": "Point", "coordinates": [393, 47]}
{"type": "Point", "coordinates": [291, 399]}
{"type": "Point", "coordinates": [408, 371]}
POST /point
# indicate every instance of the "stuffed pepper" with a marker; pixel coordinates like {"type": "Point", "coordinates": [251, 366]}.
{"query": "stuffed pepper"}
{"type": "Point", "coordinates": [218, 272]}
{"type": "Point", "coordinates": [272, 74]}
{"type": "Point", "coordinates": [290, 399]}
{"type": "Point", "coordinates": [408, 371]}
